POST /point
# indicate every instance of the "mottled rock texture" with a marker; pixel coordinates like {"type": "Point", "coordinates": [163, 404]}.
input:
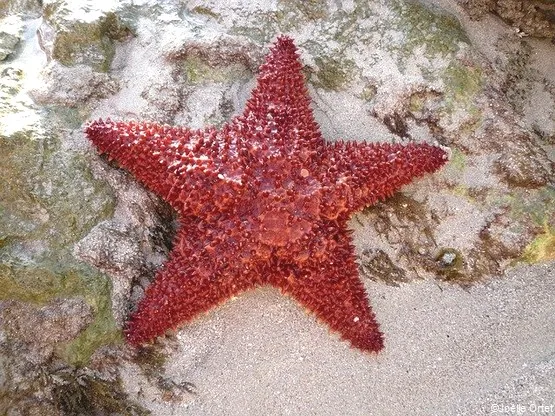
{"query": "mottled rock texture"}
{"type": "Point", "coordinates": [530, 17]}
{"type": "Point", "coordinates": [78, 231]}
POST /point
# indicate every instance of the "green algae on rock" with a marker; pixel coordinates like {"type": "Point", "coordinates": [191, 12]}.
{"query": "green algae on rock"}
{"type": "Point", "coordinates": [462, 84]}
{"type": "Point", "coordinates": [48, 202]}
{"type": "Point", "coordinates": [429, 27]}
{"type": "Point", "coordinates": [332, 74]}
{"type": "Point", "coordinates": [542, 248]}
{"type": "Point", "coordinates": [37, 201]}
{"type": "Point", "coordinates": [81, 391]}
{"type": "Point", "coordinates": [78, 36]}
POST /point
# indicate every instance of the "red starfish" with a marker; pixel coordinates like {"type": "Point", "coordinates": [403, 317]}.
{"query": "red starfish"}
{"type": "Point", "coordinates": [264, 200]}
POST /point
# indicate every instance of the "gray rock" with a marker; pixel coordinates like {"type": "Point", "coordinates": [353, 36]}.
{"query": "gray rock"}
{"type": "Point", "coordinates": [11, 29]}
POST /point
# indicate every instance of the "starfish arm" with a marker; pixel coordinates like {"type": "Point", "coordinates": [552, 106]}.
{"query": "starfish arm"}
{"type": "Point", "coordinates": [367, 172]}
{"type": "Point", "coordinates": [329, 286]}
{"type": "Point", "coordinates": [155, 154]}
{"type": "Point", "coordinates": [278, 109]}
{"type": "Point", "coordinates": [194, 280]}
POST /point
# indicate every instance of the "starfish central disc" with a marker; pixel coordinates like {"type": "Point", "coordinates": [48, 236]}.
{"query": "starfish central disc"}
{"type": "Point", "coordinates": [264, 200]}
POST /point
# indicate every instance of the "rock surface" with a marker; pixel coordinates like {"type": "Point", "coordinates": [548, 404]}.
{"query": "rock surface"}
{"type": "Point", "coordinates": [530, 17]}
{"type": "Point", "coordinates": [80, 239]}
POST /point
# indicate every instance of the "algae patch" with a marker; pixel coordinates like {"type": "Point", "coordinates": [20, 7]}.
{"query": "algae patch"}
{"type": "Point", "coordinates": [198, 71]}
{"type": "Point", "coordinates": [205, 11]}
{"type": "Point", "coordinates": [49, 201]}
{"type": "Point", "coordinates": [542, 248]}
{"type": "Point", "coordinates": [333, 74]}
{"type": "Point", "coordinates": [82, 391]}
{"type": "Point", "coordinates": [458, 160]}
{"type": "Point", "coordinates": [50, 195]}
{"type": "Point", "coordinates": [462, 84]}
{"type": "Point", "coordinates": [40, 284]}
{"type": "Point", "coordinates": [534, 212]}
{"type": "Point", "coordinates": [541, 211]}
{"type": "Point", "coordinates": [430, 28]}
{"type": "Point", "coordinates": [84, 42]}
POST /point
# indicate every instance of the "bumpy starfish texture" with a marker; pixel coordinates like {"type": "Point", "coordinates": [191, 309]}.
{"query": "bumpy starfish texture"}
{"type": "Point", "coordinates": [263, 201]}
